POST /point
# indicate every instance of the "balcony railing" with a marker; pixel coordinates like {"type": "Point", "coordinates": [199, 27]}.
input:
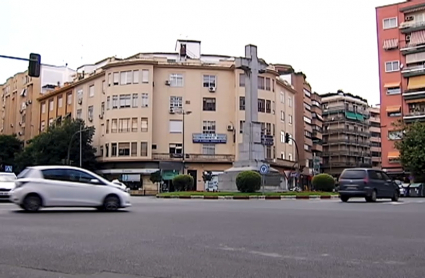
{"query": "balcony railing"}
{"type": "Point", "coordinates": [342, 108]}
{"type": "Point", "coordinates": [410, 95]}
{"type": "Point", "coordinates": [406, 49]}
{"type": "Point", "coordinates": [411, 26]}
{"type": "Point", "coordinates": [346, 130]}
{"type": "Point", "coordinates": [346, 142]}
{"type": "Point", "coordinates": [281, 162]}
{"type": "Point", "coordinates": [193, 157]}
{"type": "Point", "coordinates": [346, 153]}
{"type": "Point", "coordinates": [341, 165]}
{"type": "Point", "coordinates": [413, 71]}
{"type": "Point", "coordinates": [412, 116]}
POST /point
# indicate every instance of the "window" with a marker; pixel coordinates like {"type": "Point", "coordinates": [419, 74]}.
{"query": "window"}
{"type": "Point", "coordinates": [261, 105]}
{"type": "Point", "coordinates": [269, 129]}
{"type": "Point", "coordinates": [124, 125]}
{"type": "Point", "coordinates": [392, 66]}
{"type": "Point", "coordinates": [134, 125]}
{"type": "Point", "coordinates": [79, 113]}
{"type": "Point", "coordinates": [268, 152]}
{"type": "Point", "coordinates": [109, 79]}
{"type": "Point", "coordinates": [90, 112]}
{"type": "Point", "coordinates": [43, 125]}
{"type": "Point", "coordinates": [103, 86]}
{"type": "Point", "coordinates": [289, 101]}
{"type": "Point", "coordinates": [129, 77]}
{"type": "Point", "coordinates": [114, 102]}
{"type": "Point", "coordinates": [241, 124]}
{"type": "Point", "coordinates": [134, 101]}
{"type": "Point", "coordinates": [268, 88]}
{"type": "Point", "coordinates": [143, 149]}
{"type": "Point", "coordinates": [395, 135]}
{"type": "Point", "coordinates": [268, 106]}
{"type": "Point", "coordinates": [116, 78]}
{"type": "Point", "coordinates": [175, 148]}
{"type": "Point", "coordinates": [43, 108]}
{"type": "Point", "coordinates": [307, 120]}
{"type": "Point", "coordinates": [145, 100]}
{"type": "Point", "coordinates": [51, 104]}
{"type": "Point", "coordinates": [242, 80]}
{"type": "Point", "coordinates": [144, 124]}
{"type": "Point", "coordinates": [125, 101]}
{"type": "Point", "coordinates": [307, 93]}
{"type": "Point", "coordinates": [307, 107]}
{"type": "Point", "coordinates": [102, 108]}
{"type": "Point", "coordinates": [145, 76]}
{"type": "Point", "coordinates": [124, 77]}
{"type": "Point", "coordinates": [389, 23]}
{"type": "Point", "coordinates": [242, 103]}
{"type": "Point", "coordinates": [114, 126]}
{"type": "Point", "coordinates": [290, 139]}
{"type": "Point", "coordinates": [282, 116]}
{"type": "Point", "coordinates": [290, 156]}
{"type": "Point", "coordinates": [176, 126]}
{"type": "Point", "coordinates": [272, 85]}
{"type": "Point", "coordinates": [261, 83]}
{"type": "Point", "coordinates": [282, 97]}
{"type": "Point", "coordinates": [290, 119]}
{"type": "Point", "coordinates": [69, 99]}
{"type": "Point", "coordinates": [209, 81]}
{"type": "Point", "coordinates": [136, 75]}
{"type": "Point", "coordinates": [114, 149]}
{"type": "Point", "coordinates": [209, 104]}
{"type": "Point", "coordinates": [282, 137]}
{"type": "Point", "coordinates": [208, 127]}
{"type": "Point", "coordinates": [394, 114]}
{"type": "Point", "coordinates": [393, 91]}
{"type": "Point", "coordinates": [208, 149]}
{"type": "Point", "coordinates": [133, 148]}
{"type": "Point", "coordinates": [60, 102]}
{"type": "Point", "coordinates": [80, 94]}
{"type": "Point", "coordinates": [176, 80]}
{"type": "Point", "coordinates": [123, 149]}
{"type": "Point", "coordinates": [108, 103]}
{"type": "Point", "coordinates": [91, 91]}
{"type": "Point", "coordinates": [176, 103]}
{"type": "Point", "coordinates": [282, 155]}
{"type": "Point", "coordinates": [107, 126]}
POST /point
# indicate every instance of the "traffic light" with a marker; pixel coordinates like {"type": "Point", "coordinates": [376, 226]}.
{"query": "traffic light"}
{"type": "Point", "coordinates": [207, 176]}
{"type": "Point", "coordinates": [287, 137]}
{"type": "Point", "coordinates": [34, 65]}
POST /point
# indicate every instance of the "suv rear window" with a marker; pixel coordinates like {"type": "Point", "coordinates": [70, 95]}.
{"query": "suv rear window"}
{"type": "Point", "coordinates": [353, 174]}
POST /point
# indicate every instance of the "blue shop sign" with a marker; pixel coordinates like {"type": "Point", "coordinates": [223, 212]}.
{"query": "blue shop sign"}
{"type": "Point", "coordinates": [209, 138]}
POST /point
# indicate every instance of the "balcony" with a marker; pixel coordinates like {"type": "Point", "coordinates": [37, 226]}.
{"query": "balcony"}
{"type": "Point", "coordinates": [212, 158]}
{"type": "Point", "coordinates": [375, 149]}
{"type": "Point", "coordinates": [413, 95]}
{"type": "Point", "coordinates": [414, 116]}
{"type": "Point", "coordinates": [346, 131]}
{"type": "Point", "coordinates": [317, 148]}
{"type": "Point", "coordinates": [413, 71]}
{"type": "Point", "coordinates": [316, 135]}
{"type": "Point", "coordinates": [374, 120]}
{"type": "Point", "coordinates": [346, 153]}
{"type": "Point", "coordinates": [411, 26]}
{"type": "Point", "coordinates": [375, 129]}
{"type": "Point", "coordinates": [281, 163]}
{"type": "Point", "coordinates": [342, 108]}
{"type": "Point", "coordinates": [343, 141]}
{"type": "Point", "coordinates": [407, 49]}
{"type": "Point", "coordinates": [375, 139]}
{"type": "Point", "coordinates": [341, 165]}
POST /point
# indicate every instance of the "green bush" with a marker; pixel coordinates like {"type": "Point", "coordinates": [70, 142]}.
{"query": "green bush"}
{"type": "Point", "coordinates": [248, 181]}
{"type": "Point", "coordinates": [323, 182]}
{"type": "Point", "coordinates": [183, 182]}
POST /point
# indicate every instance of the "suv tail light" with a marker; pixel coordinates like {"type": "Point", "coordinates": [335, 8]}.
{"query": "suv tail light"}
{"type": "Point", "coordinates": [366, 180]}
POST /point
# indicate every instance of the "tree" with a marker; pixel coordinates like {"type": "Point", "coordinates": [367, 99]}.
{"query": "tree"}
{"type": "Point", "coordinates": [51, 147]}
{"type": "Point", "coordinates": [323, 182]}
{"type": "Point", "coordinates": [248, 181]}
{"type": "Point", "coordinates": [156, 177]}
{"type": "Point", "coordinates": [183, 182]}
{"type": "Point", "coordinates": [412, 149]}
{"type": "Point", "coordinates": [10, 148]}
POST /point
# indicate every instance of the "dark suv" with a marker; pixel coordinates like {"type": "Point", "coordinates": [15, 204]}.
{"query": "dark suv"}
{"type": "Point", "coordinates": [368, 183]}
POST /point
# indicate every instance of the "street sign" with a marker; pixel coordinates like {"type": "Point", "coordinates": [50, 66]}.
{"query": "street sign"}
{"type": "Point", "coordinates": [264, 169]}
{"type": "Point", "coordinates": [267, 140]}
{"type": "Point", "coordinates": [8, 168]}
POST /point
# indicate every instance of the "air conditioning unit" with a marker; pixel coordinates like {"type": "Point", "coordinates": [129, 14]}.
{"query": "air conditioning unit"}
{"type": "Point", "coordinates": [409, 18]}
{"type": "Point", "coordinates": [80, 101]}
{"type": "Point", "coordinates": [212, 89]}
{"type": "Point", "coordinates": [408, 38]}
{"type": "Point", "coordinates": [167, 83]}
{"type": "Point", "coordinates": [100, 116]}
{"type": "Point", "coordinates": [229, 127]}
{"type": "Point", "coordinates": [90, 119]}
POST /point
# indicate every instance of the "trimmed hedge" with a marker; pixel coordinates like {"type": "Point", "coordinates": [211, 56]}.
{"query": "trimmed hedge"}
{"type": "Point", "coordinates": [183, 183]}
{"type": "Point", "coordinates": [248, 181]}
{"type": "Point", "coordinates": [323, 182]}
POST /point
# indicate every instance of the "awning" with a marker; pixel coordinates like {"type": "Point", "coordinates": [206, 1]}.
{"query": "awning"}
{"type": "Point", "coordinates": [350, 115]}
{"type": "Point", "coordinates": [416, 82]}
{"type": "Point", "coordinates": [169, 175]}
{"type": "Point", "coordinates": [360, 117]}
{"type": "Point", "coordinates": [390, 44]}
{"type": "Point", "coordinates": [415, 100]}
{"type": "Point", "coordinates": [417, 38]}
{"type": "Point", "coordinates": [319, 117]}
{"type": "Point", "coordinates": [392, 85]}
{"type": "Point", "coordinates": [391, 109]}
{"type": "Point", "coordinates": [393, 155]}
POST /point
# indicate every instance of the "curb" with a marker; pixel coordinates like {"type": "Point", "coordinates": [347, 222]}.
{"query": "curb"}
{"type": "Point", "coordinates": [254, 197]}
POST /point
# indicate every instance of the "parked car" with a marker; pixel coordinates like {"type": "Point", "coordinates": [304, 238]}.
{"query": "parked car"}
{"type": "Point", "coordinates": [7, 183]}
{"type": "Point", "coordinates": [66, 186]}
{"type": "Point", "coordinates": [368, 183]}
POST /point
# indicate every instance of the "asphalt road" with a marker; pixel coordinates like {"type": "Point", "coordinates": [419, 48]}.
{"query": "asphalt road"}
{"type": "Point", "coordinates": [206, 238]}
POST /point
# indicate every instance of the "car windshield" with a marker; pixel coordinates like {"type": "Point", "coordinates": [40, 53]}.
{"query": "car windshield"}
{"type": "Point", "coordinates": [353, 174]}
{"type": "Point", "coordinates": [7, 177]}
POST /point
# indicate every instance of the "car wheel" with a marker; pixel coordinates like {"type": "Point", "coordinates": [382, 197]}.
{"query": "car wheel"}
{"type": "Point", "coordinates": [372, 197]}
{"type": "Point", "coordinates": [344, 198]}
{"type": "Point", "coordinates": [395, 197]}
{"type": "Point", "coordinates": [111, 203]}
{"type": "Point", "coordinates": [32, 203]}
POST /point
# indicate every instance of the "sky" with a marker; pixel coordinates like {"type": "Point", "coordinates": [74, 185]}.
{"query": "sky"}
{"type": "Point", "coordinates": [333, 42]}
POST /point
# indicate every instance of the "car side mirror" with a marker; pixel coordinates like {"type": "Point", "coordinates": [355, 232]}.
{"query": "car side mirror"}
{"type": "Point", "coordinates": [94, 181]}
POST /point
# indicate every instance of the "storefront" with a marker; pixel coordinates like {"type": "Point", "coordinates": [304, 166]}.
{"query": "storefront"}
{"type": "Point", "coordinates": [133, 178]}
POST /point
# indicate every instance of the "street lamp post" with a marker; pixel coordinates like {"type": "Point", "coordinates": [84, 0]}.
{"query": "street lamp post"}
{"type": "Point", "coordinates": [81, 145]}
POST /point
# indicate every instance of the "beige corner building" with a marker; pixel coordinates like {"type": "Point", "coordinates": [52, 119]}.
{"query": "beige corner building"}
{"type": "Point", "coordinates": [175, 112]}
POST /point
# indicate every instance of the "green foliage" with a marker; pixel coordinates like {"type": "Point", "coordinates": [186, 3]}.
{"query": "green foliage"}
{"type": "Point", "coordinates": [10, 147]}
{"type": "Point", "coordinates": [412, 149]}
{"type": "Point", "coordinates": [51, 147]}
{"type": "Point", "coordinates": [323, 182]}
{"type": "Point", "coordinates": [155, 177]}
{"type": "Point", "coordinates": [183, 182]}
{"type": "Point", "coordinates": [248, 181]}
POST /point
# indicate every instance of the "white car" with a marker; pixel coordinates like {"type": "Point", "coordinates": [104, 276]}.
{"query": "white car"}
{"type": "Point", "coordinates": [7, 183]}
{"type": "Point", "coordinates": [66, 186]}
